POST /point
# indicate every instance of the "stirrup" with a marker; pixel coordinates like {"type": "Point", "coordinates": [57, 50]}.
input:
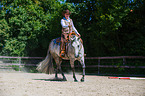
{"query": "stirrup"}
{"type": "Point", "coordinates": [62, 54]}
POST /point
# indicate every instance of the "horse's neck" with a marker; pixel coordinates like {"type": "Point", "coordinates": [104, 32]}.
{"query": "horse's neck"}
{"type": "Point", "coordinates": [70, 45]}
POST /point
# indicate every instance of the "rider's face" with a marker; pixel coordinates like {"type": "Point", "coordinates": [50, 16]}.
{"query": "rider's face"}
{"type": "Point", "coordinates": [66, 15]}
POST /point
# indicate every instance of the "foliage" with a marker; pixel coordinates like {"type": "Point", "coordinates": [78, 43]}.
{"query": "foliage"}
{"type": "Point", "coordinates": [4, 31]}
{"type": "Point", "coordinates": [104, 26]}
{"type": "Point", "coordinates": [25, 28]}
{"type": "Point", "coordinates": [107, 27]}
{"type": "Point", "coordinates": [132, 32]}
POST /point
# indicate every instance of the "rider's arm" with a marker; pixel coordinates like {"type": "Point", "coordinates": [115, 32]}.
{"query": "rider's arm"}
{"type": "Point", "coordinates": [63, 24]}
{"type": "Point", "coordinates": [74, 28]}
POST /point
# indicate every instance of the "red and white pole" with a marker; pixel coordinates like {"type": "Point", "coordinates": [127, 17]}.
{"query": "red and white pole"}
{"type": "Point", "coordinates": [129, 78]}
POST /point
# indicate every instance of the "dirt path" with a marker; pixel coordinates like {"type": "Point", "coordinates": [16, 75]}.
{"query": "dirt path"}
{"type": "Point", "coordinates": [37, 84]}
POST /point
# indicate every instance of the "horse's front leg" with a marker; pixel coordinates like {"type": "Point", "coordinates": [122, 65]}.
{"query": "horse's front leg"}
{"type": "Point", "coordinates": [83, 67]}
{"type": "Point", "coordinates": [73, 69]}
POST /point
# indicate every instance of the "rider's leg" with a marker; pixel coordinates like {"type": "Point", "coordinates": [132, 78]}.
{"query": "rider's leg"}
{"type": "Point", "coordinates": [62, 54]}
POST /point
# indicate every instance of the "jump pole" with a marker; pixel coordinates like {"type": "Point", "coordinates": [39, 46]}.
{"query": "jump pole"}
{"type": "Point", "coordinates": [128, 78]}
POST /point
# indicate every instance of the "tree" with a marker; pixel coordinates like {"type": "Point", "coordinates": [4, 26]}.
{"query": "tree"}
{"type": "Point", "coordinates": [27, 27]}
{"type": "Point", "coordinates": [132, 32]}
{"type": "Point", "coordinates": [99, 22]}
{"type": "Point", "coordinates": [107, 27]}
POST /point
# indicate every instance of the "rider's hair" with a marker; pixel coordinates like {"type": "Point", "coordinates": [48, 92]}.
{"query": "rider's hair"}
{"type": "Point", "coordinates": [66, 11]}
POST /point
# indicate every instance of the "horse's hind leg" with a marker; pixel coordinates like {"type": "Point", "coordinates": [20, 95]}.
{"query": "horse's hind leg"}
{"type": "Point", "coordinates": [56, 71]}
{"type": "Point", "coordinates": [64, 78]}
{"type": "Point", "coordinates": [83, 67]}
{"type": "Point", "coordinates": [58, 63]}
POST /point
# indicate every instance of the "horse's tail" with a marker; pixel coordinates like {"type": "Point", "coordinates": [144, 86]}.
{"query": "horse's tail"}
{"type": "Point", "coordinates": [46, 66]}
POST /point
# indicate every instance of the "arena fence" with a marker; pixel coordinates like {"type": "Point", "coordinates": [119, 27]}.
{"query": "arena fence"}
{"type": "Point", "coordinates": [94, 64]}
{"type": "Point", "coordinates": [18, 62]}
{"type": "Point", "coordinates": [117, 64]}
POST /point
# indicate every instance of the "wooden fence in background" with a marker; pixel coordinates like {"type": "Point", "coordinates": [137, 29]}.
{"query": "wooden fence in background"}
{"type": "Point", "coordinates": [7, 62]}
{"type": "Point", "coordinates": [98, 65]}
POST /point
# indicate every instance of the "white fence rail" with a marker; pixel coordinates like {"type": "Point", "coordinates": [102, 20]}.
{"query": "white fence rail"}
{"type": "Point", "coordinates": [12, 62]}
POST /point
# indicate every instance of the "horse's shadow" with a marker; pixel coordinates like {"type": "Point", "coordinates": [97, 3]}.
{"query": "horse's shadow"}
{"type": "Point", "coordinates": [52, 79]}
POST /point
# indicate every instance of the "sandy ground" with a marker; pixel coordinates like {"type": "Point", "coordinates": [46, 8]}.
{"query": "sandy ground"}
{"type": "Point", "coordinates": [38, 84]}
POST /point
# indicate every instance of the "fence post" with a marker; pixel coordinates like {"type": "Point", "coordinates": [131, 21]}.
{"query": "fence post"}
{"type": "Point", "coordinates": [19, 63]}
{"type": "Point", "coordinates": [124, 61]}
{"type": "Point", "coordinates": [98, 66]}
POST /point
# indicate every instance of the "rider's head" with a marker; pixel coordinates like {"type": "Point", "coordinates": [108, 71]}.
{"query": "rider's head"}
{"type": "Point", "coordinates": [66, 13]}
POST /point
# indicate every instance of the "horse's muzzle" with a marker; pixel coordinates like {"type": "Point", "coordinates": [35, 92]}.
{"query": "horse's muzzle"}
{"type": "Point", "coordinates": [76, 56]}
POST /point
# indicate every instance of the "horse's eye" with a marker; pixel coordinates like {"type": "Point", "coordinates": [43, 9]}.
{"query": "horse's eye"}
{"type": "Point", "coordinates": [78, 46]}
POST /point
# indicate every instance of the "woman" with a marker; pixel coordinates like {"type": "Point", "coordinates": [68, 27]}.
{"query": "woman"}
{"type": "Point", "coordinates": [67, 27]}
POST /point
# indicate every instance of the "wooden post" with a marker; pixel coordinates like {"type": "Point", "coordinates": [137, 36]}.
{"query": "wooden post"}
{"type": "Point", "coordinates": [124, 61]}
{"type": "Point", "coordinates": [98, 66]}
{"type": "Point", "coordinates": [19, 63]}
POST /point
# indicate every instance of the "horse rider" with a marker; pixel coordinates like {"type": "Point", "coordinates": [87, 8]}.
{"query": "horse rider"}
{"type": "Point", "coordinates": [67, 28]}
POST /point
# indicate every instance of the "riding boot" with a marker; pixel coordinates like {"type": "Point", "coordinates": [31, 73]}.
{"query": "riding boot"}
{"type": "Point", "coordinates": [62, 53]}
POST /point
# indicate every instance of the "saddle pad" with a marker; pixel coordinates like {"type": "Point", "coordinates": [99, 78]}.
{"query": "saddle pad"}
{"type": "Point", "coordinates": [57, 41]}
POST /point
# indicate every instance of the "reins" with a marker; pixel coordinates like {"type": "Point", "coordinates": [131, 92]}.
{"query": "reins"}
{"type": "Point", "coordinates": [73, 33]}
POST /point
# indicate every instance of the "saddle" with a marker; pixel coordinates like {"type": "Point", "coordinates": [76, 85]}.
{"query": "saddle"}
{"type": "Point", "coordinates": [58, 41]}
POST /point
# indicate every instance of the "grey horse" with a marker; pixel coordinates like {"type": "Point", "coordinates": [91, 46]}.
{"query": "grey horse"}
{"type": "Point", "coordinates": [75, 51]}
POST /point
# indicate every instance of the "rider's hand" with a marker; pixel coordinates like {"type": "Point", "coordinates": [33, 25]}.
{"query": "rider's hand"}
{"type": "Point", "coordinates": [79, 35]}
{"type": "Point", "coordinates": [69, 25]}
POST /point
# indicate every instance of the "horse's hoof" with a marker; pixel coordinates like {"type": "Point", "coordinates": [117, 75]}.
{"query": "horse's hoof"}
{"type": "Point", "coordinates": [64, 79]}
{"type": "Point", "coordinates": [82, 80]}
{"type": "Point", "coordinates": [56, 78]}
{"type": "Point", "coordinates": [75, 80]}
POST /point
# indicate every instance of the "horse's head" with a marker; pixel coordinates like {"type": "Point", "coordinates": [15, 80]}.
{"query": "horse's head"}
{"type": "Point", "coordinates": [76, 44]}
